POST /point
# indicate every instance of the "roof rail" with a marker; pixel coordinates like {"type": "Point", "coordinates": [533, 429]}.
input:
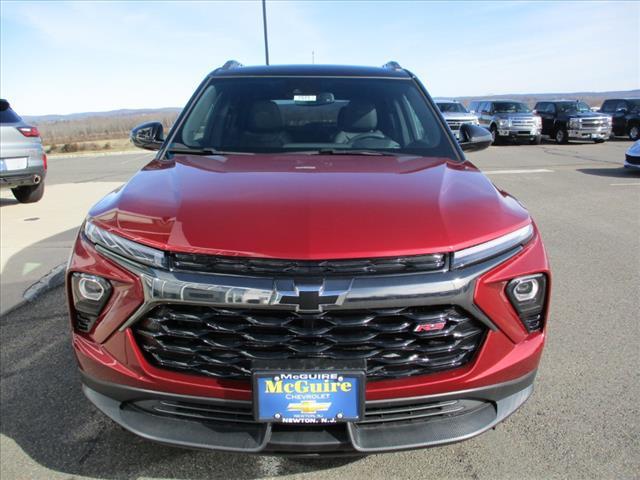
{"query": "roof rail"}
{"type": "Point", "coordinates": [229, 64]}
{"type": "Point", "coordinates": [392, 65]}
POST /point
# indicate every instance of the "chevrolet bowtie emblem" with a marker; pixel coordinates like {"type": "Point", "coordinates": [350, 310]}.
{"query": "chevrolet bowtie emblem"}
{"type": "Point", "coordinates": [309, 406]}
{"type": "Point", "coordinates": [313, 297]}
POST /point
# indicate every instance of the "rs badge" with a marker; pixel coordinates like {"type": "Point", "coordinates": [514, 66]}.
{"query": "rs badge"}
{"type": "Point", "coordinates": [429, 327]}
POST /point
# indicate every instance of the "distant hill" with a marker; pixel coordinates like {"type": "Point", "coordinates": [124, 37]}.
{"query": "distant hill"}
{"type": "Point", "coordinates": [114, 124]}
{"type": "Point", "coordinates": [123, 112]}
{"type": "Point", "coordinates": [593, 99]}
{"type": "Point", "coordinates": [97, 126]}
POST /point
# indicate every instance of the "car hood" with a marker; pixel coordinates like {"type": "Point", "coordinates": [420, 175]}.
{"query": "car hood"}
{"type": "Point", "coordinates": [587, 115]}
{"type": "Point", "coordinates": [634, 150]}
{"type": "Point", "coordinates": [459, 115]}
{"type": "Point", "coordinates": [299, 206]}
{"type": "Point", "coordinates": [514, 115]}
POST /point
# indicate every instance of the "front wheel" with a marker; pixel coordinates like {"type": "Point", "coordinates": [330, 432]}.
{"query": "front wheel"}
{"type": "Point", "coordinates": [634, 132]}
{"type": "Point", "coordinates": [536, 141]}
{"type": "Point", "coordinates": [561, 135]}
{"type": "Point", "coordinates": [599, 140]}
{"type": "Point", "coordinates": [29, 193]}
{"type": "Point", "coordinates": [494, 134]}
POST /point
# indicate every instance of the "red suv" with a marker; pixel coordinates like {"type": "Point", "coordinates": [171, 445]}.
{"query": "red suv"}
{"type": "Point", "coordinates": [308, 266]}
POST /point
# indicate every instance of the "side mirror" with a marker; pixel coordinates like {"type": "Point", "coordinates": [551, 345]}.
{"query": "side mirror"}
{"type": "Point", "coordinates": [474, 138]}
{"type": "Point", "coordinates": [621, 110]}
{"type": "Point", "coordinates": [149, 136]}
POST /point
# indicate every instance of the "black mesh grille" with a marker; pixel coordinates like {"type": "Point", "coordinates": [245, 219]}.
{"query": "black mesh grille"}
{"type": "Point", "coordinates": [242, 412]}
{"type": "Point", "coordinates": [277, 267]}
{"type": "Point", "coordinates": [223, 342]}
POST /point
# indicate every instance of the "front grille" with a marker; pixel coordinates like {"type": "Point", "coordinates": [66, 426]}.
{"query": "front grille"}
{"type": "Point", "coordinates": [456, 124]}
{"type": "Point", "coordinates": [228, 412]}
{"type": "Point", "coordinates": [222, 343]}
{"type": "Point", "coordinates": [375, 413]}
{"type": "Point", "coordinates": [293, 268]}
{"type": "Point", "coordinates": [418, 410]}
{"type": "Point", "coordinates": [522, 123]}
{"type": "Point", "coordinates": [592, 122]}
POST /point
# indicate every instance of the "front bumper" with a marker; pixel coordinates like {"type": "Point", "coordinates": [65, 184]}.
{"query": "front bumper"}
{"type": "Point", "coordinates": [117, 374]}
{"type": "Point", "coordinates": [208, 423]}
{"type": "Point", "coordinates": [589, 134]}
{"type": "Point", "coordinates": [519, 133]}
{"type": "Point", "coordinates": [631, 161]}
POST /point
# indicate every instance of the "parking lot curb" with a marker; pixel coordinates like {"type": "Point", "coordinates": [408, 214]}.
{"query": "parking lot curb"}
{"type": "Point", "coordinates": [96, 153]}
{"type": "Point", "coordinates": [53, 279]}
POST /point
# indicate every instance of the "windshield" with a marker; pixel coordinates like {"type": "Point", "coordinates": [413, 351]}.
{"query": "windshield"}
{"type": "Point", "coordinates": [578, 107]}
{"type": "Point", "coordinates": [451, 107]}
{"type": "Point", "coordinates": [291, 114]}
{"type": "Point", "coordinates": [634, 105]}
{"type": "Point", "coordinates": [9, 116]}
{"type": "Point", "coordinates": [510, 107]}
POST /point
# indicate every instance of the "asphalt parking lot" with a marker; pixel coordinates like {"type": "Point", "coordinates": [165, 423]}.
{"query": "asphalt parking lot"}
{"type": "Point", "coordinates": [583, 420]}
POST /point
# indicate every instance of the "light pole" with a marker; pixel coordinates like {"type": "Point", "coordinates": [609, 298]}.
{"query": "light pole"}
{"type": "Point", "coordinates": [264, 24]}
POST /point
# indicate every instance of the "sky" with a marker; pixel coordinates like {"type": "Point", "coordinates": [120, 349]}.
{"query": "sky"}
{"type": "Point", "coordinates": [65, 57]}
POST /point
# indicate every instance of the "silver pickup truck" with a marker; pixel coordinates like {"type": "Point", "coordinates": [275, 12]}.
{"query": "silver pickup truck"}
{"type": "Point", "coordinates": [508, 119]}
{"type": "Point", "coordinates": [455, 115]}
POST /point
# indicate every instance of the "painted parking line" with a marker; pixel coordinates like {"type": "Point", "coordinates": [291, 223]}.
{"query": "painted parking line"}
{"type": "Point", "coordinates": [624, 184]}
{"type": "Point", "coordinates": [529, 170]}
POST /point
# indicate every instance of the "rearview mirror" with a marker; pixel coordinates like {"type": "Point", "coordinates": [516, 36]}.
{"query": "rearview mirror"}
{"type": "Point", "coordinates": [149, 136]}
{"type": "Point", "coordinates": [474, 138]}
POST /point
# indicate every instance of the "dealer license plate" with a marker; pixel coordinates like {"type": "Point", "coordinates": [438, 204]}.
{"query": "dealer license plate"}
{"type": "Point", "coordinates": [9, 164]}
{"type": "Point", "coordinates": [308, 397]}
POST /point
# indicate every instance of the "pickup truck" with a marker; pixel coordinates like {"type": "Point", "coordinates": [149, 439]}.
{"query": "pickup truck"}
{"type": "Point", "coordinates": [625, 113]}
{"type": "Point", "coordinates": [507, 119]}
{"type": "Point", "coordinates": [565, 120]}
{"type": "Point", "coordinates": [455, 115]}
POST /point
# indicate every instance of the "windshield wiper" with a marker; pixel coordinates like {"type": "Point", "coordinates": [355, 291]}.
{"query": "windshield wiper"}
{"type": "Point", "coordinates": [347, 151]}
{"type": "Point", "coordinates": [205, 151]}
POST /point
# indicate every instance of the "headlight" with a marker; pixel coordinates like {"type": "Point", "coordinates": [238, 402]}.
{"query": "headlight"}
{"type": "Point", "coordinates": [538, 121]}
{"type": "Point", "coordinates": [492, 248]}
{"type": "Point", "coordinates": [504, 122]}
{"type": "Point", "coordinates": [574, 122]}
{"type": "Point", "coordinates": [124, 247]}
{"type": "Point", "coordinates": [476, 121]}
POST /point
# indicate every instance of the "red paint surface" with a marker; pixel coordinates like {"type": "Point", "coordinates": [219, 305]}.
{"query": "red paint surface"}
{"type": "Point", "coordinates": [345, 207]}
{"type": "Point", "coordinates": [334, 207]}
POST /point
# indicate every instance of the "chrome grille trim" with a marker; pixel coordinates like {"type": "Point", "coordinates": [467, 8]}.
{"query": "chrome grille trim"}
{"type": "Point", "coordinates": [366, 292]}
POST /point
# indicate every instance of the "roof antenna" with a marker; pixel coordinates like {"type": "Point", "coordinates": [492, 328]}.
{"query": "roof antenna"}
{"type": "Point", "coordinates": [264, 23]}
{"type": "Point", "coordinates": [313, 56]}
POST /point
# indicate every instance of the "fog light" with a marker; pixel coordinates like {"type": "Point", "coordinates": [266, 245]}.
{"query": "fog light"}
{"type": "Point", "coordinates": [90, 288]}
{"type": "Point", "coordinates": [90, 294]}
{"type": "Point", "coordinates": [527, 295]}
{"type": "Point", "coordinates": [526, 289]}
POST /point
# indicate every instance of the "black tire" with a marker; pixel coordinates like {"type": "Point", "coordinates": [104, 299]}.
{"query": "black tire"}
{"type": "Point", "coordinates": [536, 141]}
{"type": "Point", "coordinates": [494, 135]}
{"type": "Point", "coordinates": [561, 135]}
{"type": "Point", "coordinates": [634, 132]}
{"type": "Point", "coordinates": [599, 140]}
{"type": "Point", "coordinates": [29, 193]}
